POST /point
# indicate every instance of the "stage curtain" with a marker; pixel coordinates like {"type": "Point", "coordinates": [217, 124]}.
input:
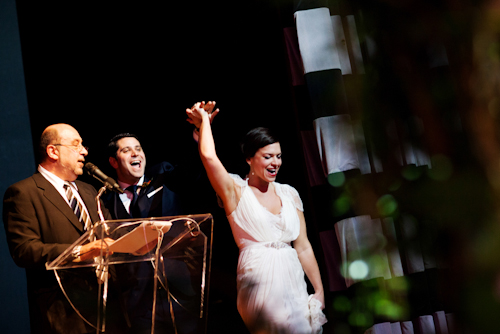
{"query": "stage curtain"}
{"type": "Point", "coordinates": [372, 244]}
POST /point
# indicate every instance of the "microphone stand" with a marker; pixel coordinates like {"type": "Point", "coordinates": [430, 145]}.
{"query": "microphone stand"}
{"type": "Point", "coordinates": [102, 263]}
{"type": "Point", "coordinates": [99, 210]}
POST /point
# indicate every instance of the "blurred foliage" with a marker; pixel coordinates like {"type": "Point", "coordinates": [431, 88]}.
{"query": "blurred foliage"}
{"type": "Point", "coordinates": [456, 200]}
{"type": "Point", "coordinates": [449, 110]}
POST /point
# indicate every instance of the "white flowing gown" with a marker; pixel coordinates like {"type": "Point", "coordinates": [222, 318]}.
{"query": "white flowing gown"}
{"type": "Point", "coordinates": [272, 292]}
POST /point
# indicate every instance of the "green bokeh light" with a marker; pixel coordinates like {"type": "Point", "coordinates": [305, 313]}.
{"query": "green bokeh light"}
{"type": "Point", "coordinates": [336, 179]}
{"type": "Point", "coordinates": [342, 304]}
{"type": "Point", "coordinates": [388, 308]}
{"type": "Point", "coordinates": [411, 172]}
{"type": "Point", "coordinates": [360, 319]}
{"type": "Point", "coordinates": [387, 205]}
{"type": "Point", "coordinates": [358, 269]}
{"type": "Point", "coordinates": [441, 169]}
{"type": "Point", "coordinates": [342, 205]}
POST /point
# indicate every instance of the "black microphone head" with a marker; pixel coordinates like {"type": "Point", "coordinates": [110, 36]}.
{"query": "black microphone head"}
{"type": "Point", "coordinates": [109, 182]}
{"type": "Point", "coordinates": [89, 167]}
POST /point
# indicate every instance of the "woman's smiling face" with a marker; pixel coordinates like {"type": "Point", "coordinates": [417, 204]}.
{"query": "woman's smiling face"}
{"type": "Point", "coordinates": [266, 162]}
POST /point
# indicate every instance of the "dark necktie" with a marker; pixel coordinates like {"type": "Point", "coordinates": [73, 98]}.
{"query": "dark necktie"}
{"type": "Point", "coordinates": [77, 207]}
{"type": "Point", "coordinates": [134, 208]}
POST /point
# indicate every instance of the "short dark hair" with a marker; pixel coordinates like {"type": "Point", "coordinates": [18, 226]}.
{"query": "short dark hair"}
{"type": "Point", "coordinates": [113, 146]}
{"type": "Point", "coordinates": [256, 139]}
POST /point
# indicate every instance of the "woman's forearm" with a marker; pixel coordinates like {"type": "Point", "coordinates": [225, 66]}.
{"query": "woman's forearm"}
{"type": "Point", "coordinates": [311, 268]}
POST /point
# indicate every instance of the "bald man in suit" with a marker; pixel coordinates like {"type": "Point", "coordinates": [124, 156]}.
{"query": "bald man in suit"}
{"type": "Point", "coordinates": [40, 225]}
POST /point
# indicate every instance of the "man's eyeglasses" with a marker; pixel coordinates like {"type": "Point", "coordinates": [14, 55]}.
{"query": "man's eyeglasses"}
{"type": "Point", "coordinates": [76, 148]}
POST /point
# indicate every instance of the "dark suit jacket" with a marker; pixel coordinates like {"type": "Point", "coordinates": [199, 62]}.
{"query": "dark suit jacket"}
{"type": "Point", "coordinates": [39, 226]}
{"type": "Point", "coordinates": [164, 186]}
{"type": "Point", "coordinates": [167, 191]}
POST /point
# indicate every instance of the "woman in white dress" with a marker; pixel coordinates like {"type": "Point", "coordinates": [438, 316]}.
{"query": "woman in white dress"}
{"type": "Point", "coordinates": [266, 219]}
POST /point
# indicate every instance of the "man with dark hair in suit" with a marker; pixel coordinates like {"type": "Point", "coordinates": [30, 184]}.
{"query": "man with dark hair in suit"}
{"type": "Point", "coordinates": [159, 191]}
{"type": "Point", "coordinates": [43, 216]}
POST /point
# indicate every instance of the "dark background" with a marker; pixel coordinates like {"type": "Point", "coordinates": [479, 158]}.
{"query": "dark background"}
{"type": "Point", "coordinates": [113, 68]}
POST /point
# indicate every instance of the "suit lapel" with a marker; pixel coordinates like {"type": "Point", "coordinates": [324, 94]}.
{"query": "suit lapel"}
{"type": "Point", "coordinates": [52, 195]}
{"type": "Point", "coordinates": [119, 211]}
{"type": "Point", "coordinates": [144, 201]}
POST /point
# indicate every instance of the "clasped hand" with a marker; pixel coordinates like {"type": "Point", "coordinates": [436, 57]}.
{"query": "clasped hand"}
{"type": "Point", "coordinates": [196, 112]}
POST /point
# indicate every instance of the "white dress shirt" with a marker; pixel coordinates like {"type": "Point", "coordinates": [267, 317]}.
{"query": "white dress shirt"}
{"type": "Point", "coordinates": [59, 183]}
{"type": "Point", "coordinates": [127, 196]}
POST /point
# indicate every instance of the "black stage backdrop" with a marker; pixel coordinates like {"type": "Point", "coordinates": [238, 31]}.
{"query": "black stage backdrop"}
{"type": "Point", "coordinates": [110, 68]}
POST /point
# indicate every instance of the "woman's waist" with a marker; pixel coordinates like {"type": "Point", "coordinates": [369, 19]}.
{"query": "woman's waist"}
{"type": "Point", "coordinates": [263, 245]}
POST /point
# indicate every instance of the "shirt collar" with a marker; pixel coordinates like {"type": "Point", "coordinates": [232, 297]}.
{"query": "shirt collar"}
{"type": "Point", "coordinates": [124, 185]}
{"type": "Point", "coordinates": [56, 181]}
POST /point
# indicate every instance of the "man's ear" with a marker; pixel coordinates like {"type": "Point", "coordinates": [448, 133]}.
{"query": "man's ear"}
{"type": "Point", "coordinates": [113, 162]}
{"type": "Point", "coordinates": [52, 152]}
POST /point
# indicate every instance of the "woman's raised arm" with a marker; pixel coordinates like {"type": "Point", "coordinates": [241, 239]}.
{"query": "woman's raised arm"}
{"type": "Point", "coordinates": [201, 114]}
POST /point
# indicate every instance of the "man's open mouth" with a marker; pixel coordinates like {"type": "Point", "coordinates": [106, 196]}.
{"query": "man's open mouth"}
{"type": "Point", "coordinates": [135, 163]}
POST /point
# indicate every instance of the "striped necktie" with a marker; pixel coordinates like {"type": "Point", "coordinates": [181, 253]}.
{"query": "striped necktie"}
{"type": "Point", "coordinates": [77, 207]}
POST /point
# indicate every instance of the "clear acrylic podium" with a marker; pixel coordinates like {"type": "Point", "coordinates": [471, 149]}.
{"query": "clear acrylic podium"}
{"type": "Point", "coordinates": [177, 248]}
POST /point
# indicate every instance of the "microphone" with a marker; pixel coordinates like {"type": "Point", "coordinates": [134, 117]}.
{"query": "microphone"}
{"type": "Point", "coordinates": [106, 180]}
